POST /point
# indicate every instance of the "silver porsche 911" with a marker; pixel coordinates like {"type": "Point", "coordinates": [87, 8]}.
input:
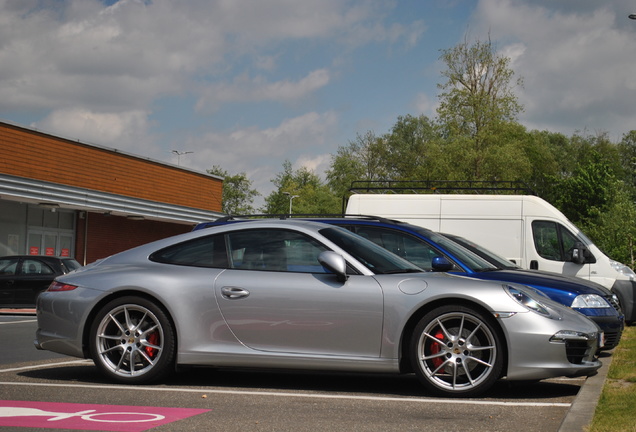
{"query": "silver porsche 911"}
{"type": "Point", "coordinates": [299, 294]}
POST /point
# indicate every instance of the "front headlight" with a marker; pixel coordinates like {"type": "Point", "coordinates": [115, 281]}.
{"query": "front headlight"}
{"type": "Point", "coordinates": [623, 269]}
{"type": "Point", "coordinates": [527, 299]}
{"type": "Point", "coordinates": [590, 301]}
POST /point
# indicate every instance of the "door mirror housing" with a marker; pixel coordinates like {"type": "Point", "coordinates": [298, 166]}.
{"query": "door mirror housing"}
{"type": "Point", "coordinates": [335, 263]}
{"type": "Point", "coordinates": [578, 254]}
{"type": "Point", "coordinates": [441, 264]}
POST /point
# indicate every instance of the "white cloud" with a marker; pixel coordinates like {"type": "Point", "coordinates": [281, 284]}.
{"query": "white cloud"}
{"type": "Point", "coordinates": [260, 153]}
{"type": "Point", "coordinates": [246, 89]}
{"type": "Point", "coordinates": [577, 62]}
{"type": "Point", "coordinates": [125, 130]}
{"type": "Point", "coordinates": [425, 106]}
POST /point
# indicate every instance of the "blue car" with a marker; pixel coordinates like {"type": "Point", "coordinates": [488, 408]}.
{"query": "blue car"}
{"type": "Point", "coordinates": [435, 252]}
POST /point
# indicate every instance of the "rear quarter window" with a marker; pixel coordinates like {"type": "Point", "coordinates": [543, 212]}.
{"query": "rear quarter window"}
{"type": "Point", "coordinates": [206, 251]}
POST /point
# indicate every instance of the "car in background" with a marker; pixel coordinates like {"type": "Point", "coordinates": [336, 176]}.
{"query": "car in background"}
{"type": "Point", "coordinates": [23, 277]}
{"type": "Point", "coordinates": [431, 251]}
{"type": "Point", "coordinates": [505, 264]}
{"type": "Point", "coordinates": [299, 294]}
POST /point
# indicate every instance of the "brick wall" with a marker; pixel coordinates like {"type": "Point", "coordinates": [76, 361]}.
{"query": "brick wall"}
{"type": "Point", "coordinates": [34, 155]}
{"type": "Point", "coordinates": [108, 235]}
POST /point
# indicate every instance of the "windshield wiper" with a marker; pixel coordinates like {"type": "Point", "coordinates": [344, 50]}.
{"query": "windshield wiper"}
{"type": "Point", "coordinates": [397, 271]}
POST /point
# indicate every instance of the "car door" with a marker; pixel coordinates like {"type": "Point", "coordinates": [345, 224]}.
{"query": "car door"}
{"type": "Point", "coordinates": [552, 250]}
{"type": "Point", "coordinates": [276, 297]}
{"type": "Point", "coordinates": [8, 270]}
{"type": "Point", "coordinates": [34, 276]}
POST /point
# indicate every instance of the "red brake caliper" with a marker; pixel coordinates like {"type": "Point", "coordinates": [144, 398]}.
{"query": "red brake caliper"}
{"type": "Point", "coordinates": [153, 338]}
{"type": "Point", "coordinates": [436, 348]}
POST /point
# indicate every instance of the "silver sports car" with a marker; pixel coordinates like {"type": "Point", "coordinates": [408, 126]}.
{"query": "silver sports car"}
{"type": "Point", "coordinates": [299, 294]}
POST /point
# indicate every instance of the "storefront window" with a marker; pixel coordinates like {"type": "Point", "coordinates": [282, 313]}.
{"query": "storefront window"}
{"type": "Point", "coordinates": [33, 230]}
{"type": "Point", "coordinates": [13, 227]}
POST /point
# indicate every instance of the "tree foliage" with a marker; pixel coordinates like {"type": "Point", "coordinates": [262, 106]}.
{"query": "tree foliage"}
{"type": "Point", "coordinates": [238, 195]}
{"type": "Point", "coordinates": [476, 101]}
{"type": "Point", "coordinates": [304, 190]}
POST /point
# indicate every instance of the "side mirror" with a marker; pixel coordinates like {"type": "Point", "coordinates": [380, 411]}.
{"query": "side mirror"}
{"type": "Point", "coordinates": [335, 263]}
{"type": "Point", "coordinates": [577, 253]}
{"type": "Point", "coordinates": [441, 264]}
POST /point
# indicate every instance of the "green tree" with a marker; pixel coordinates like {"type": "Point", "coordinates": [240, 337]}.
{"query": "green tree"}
{"type": "Point", "coordinates": [413, 151]}
{"type": "Point", "coordinates": [311, 194]}
{"type": "Point", "coordinates": [614, 231]}
{"type": "Point", "coordinates": [361, 159]}
{"type": "Point", "coordinates": [238, 195]}
{"type": "Point", "coordinates": [589, 191]}
{"type": "Point", "coordinates": [627, 156]}
{"type": "Point", "coordinates": [476, 102]}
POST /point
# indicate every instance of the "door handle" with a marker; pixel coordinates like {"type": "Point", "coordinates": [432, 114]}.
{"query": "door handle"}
{"type": "Point", "coordinates": [534, 265]}
{"type": "Point", "coordinates": [234, 293]}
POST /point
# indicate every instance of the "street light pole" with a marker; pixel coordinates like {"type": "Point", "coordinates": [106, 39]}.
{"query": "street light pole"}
{"type": "Point", "coordinates": [291, 198]}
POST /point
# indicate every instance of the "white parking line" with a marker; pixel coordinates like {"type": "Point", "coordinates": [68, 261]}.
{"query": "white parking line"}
{"type": "Point", "coordinates": [18, 322]}
{"type": "Point", "coordinates": [42, 365]}
{"type": "Point", "coordinates": [294, 395]}
{"type": "Point", "coordinates": [258, 393]}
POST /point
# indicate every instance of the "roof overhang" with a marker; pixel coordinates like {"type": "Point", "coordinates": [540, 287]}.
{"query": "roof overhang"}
{"type": "Point", "coordinates": [55, 195]}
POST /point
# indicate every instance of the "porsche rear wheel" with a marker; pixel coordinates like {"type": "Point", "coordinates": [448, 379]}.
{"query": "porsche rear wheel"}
{"type": "Point", "coordinates": [132, 341]}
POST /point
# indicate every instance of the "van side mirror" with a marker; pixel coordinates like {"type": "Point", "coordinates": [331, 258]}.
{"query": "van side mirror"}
{"type": "Point", "coordinates": [335, 263]}
{"type": "Point", "coordinates": [441, 264]}
{"type": "Point", "coordinates": [578, 253]}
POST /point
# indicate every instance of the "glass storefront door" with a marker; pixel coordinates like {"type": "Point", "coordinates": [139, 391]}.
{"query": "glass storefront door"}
{"type": "Point", "coordinates": [51, 243]}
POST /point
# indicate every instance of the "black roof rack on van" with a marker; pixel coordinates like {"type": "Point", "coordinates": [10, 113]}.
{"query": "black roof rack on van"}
{"type": "Point", "coordinates": [301, 216]}
{"type": "Point", "coordinates": [440, 186]}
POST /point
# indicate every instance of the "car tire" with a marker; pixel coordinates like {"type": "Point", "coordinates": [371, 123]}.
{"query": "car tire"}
{"type": "Point", "coordinates": [132, 341]}
{"type": "Point", "coordinates": [457, 351]}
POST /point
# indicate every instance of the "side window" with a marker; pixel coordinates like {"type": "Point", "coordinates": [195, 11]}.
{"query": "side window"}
{"type": "Point", "coordinates": [274, 250]}
{"type": "Point", "coordinates": [8, 266]}
{"type": "Point", "coordinates": [206, 251]}
{"type": "Point", "coordinates": [546, 240]}
{"type": "Point", "coordinates": [35, 267]}
{"type": "Point", "coordinates": [402, 244]}
{"type": "Point", "coordinates": [568, 239]}
{"type": "Point", "coordinates": [552, 240]}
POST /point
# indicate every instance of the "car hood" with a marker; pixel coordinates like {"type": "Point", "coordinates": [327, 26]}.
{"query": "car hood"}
{"type": "Point", "coordinates": [541, 280]}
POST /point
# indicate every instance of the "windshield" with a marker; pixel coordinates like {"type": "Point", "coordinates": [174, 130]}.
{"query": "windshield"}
{"type": "Point", "coordinates": [463, 255]}
{"type": "Point", "coordinates": [498, 261]}
{"type": "Point", "coordinates": [372, 256]}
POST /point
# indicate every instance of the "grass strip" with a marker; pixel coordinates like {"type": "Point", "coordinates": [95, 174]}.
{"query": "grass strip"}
{"type": "Point", "coordinates": [616, 409]}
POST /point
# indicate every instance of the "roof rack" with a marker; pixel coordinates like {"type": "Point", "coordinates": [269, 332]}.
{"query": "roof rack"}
{"type": "Point", "coordinates": [436, 186]}
{"type": "Point", "coordinates": [440, 186]}
{"type": "Point", "coordinates": [300, 216]}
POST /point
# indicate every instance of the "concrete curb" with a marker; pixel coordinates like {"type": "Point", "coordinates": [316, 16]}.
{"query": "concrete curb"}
{"type": "Point", "coordinates": [24, 311]}
{"type": "Point", "coordinates": [581, 413]}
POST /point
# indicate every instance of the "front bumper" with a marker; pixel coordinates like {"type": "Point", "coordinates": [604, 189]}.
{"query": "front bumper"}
{"type": "Point", "coordinates": [625, 290]}
{"type": "Point", "coordinates": [546, 348]}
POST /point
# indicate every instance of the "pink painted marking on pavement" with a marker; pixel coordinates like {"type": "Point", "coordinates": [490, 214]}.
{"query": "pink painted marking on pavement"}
{"type": "Point", "coordinates": [57, 415]}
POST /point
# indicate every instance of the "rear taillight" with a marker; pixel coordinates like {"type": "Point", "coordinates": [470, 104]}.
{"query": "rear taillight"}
{"type": "Point", "coordinates": [59, 286]}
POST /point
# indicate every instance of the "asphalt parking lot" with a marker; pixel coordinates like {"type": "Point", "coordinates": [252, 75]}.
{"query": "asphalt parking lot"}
{"type": "Point", "coordinates": [63, 392]}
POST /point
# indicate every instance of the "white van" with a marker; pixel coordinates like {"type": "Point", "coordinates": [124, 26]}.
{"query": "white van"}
{"type": "Point", "coordinates": [524, 228]}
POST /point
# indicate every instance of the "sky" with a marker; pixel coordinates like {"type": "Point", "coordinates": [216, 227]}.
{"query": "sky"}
{"type": "Point", "coordinates": [249, 84]}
